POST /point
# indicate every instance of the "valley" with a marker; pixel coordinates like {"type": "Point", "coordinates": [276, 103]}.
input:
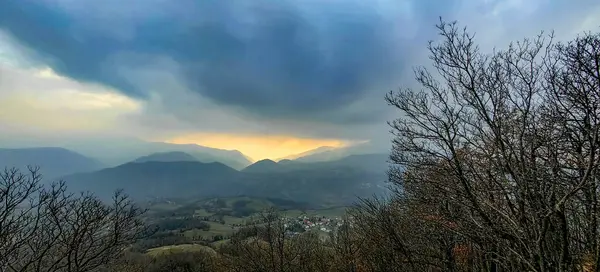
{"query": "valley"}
{"type": "Point", "coordinates": [184, 225]}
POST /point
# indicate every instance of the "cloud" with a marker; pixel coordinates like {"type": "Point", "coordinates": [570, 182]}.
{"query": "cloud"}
{"type": "Point", "coordinates": [311, 69]}
{"type": "Point", "coordinates": [294, 60]}
{"type": "Point", "coordinates": [41, 99]}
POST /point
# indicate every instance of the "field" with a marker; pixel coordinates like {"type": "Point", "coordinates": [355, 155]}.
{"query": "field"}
{"type": "Point", "coordinates": [215, 230]}
{"type": "Point", "coordinates": [213, 220]}
{"type": "Point", "coordinates": [178, 248]}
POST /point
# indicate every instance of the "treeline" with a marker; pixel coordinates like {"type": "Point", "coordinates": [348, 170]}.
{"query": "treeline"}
{"type": "Point", "coordinates": [180, 224]}
{"type": "Point", "coordinates": [218, 209]}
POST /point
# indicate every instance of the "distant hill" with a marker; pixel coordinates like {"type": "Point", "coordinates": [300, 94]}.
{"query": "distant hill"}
{"type": "Point", "coordinates": [159, 179]}
{"type": "Point", "coordinates": [173, 156]}
{"type": "Point", "coordinates": [285, 162]}
{"type": "Point", "coordinates": [54, 162]}
{"type": "Point", "coordinates": [231, 158]}
{"type": "Point", "coordinates": [331, 183]}
{"type": "Point", "coordinates": [369, 162]}
{"type": "Point", "coordinates": [377, 163]}
{"type": "Point", "coordinates": [113, 151]}
{"type": "Point", "coordinates": [262, 166]}
{"type": "Point", "coordinates": [339, 153]}
{"type": "Point", "coordinates": [307, 153]}
{"type": "Point", "coordinates": [316, 185]}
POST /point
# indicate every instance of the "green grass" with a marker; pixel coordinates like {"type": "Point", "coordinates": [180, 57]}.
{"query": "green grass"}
{"type": "Point", "coordinates": [233, 220]}
{"type": "Point", "coordinates": [178, 248]}
{"type": "Point", "coordinates": [215, 229]}
{"type": "Point", "coordinates": [202, 212]}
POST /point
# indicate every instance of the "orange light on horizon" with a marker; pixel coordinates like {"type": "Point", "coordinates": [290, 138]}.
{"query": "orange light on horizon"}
{"type": "Point", "coordinates": [258, 147]}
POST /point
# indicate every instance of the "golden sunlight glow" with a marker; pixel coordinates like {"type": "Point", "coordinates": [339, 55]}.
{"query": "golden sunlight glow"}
{"type": "Point", "coordinates": [258, 147]}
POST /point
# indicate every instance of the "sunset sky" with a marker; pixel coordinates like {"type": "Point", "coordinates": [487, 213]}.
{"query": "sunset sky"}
{"type": "Point", "coordinates": [268, 78]}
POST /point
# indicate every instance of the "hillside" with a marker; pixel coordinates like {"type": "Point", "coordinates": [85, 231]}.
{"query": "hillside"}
{"type": "Point", "coordinates": [173, 156]}
{"type": "Point", "coordinates": [54, 162]}
{"type": "Point", "coordinates": [307, 153]}
{"type": "Point", "coordinates": [262, 166]}
{"type": "Point", "coordinates": [159, 179]}
{"type": "Point", "coordinates": [228, 206]}
{"type": "Point", "coordinates": [376, 163]}
{"type": "Point", "coordinates": [370, 162]}
{"type": "Point", "coordinates": [117, 150]}
{"type": "Point", "coordinates": [323, 183]}
{"type": "Point", "coordinates": [332, 154]}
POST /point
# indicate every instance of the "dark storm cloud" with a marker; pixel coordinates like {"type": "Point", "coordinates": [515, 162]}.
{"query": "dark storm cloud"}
{"type": "Point", "coordinates": [271, 58]}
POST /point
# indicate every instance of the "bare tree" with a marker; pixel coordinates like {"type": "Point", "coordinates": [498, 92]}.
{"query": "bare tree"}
{"type": "Point", "coordinates": [346, 245]}
{"type": "Point", "coordinates": [45, 228]}
{"type": "Point", "coordinates": [267, 246]}
{"type": "Point", "coordinates": [507, 145]}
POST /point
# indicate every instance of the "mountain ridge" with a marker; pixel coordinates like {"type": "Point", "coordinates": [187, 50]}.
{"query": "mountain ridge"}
{"type": "Point", "coordinates": [335, 182]}
{"type": "Point", "coordinates": [171, 156]}
{"type": "Point", "coordinates": [261, 166]}
{"type": "Point", "coordinates": [54, 162]}
{"type": "Point", "coordinates": [306, 153]}
{"type": "Point", "coordinates": [117, 150]}
{"type": "Point", "coordinates": [341, 152]}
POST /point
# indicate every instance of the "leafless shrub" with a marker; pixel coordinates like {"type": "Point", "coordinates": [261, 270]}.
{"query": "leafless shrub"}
{"type": "Point", "coordinates": [45, 228]}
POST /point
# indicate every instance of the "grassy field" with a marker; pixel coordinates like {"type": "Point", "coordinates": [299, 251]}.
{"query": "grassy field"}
{"type": "Point", "coordinates": [178, 248]}
{"type": "Point", "coordinates": [233, 220]}
{"type": "Point", "coordinates": [215, 229]}
{"type": "Point", "coordinates": [202, 212]}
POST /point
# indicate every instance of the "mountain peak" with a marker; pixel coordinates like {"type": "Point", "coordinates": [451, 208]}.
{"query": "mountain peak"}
{"type": "Point", "coordinates": [285, 161]}
{"type": "Point", "coordinates": [265, 165]}
{"type": "Point", "coordinates": [265, 161]}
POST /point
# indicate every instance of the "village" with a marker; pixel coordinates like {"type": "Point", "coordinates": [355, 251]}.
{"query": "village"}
{"type": "Point", "coordinates": [303, 223]}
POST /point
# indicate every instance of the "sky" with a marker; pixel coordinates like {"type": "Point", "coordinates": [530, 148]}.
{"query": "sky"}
{"type": "Point", "coordinates": [268, 78]}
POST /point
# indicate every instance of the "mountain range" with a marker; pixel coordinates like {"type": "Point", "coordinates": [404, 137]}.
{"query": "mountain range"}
{"type": "Point", "coordinates": [322, 154]}
{"type": "Point", "coordinates": [117, 151]}
{"type": "Point", "coordinates": [183, 174]}
{"type": "Point", "coordinates": [328, 183]}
